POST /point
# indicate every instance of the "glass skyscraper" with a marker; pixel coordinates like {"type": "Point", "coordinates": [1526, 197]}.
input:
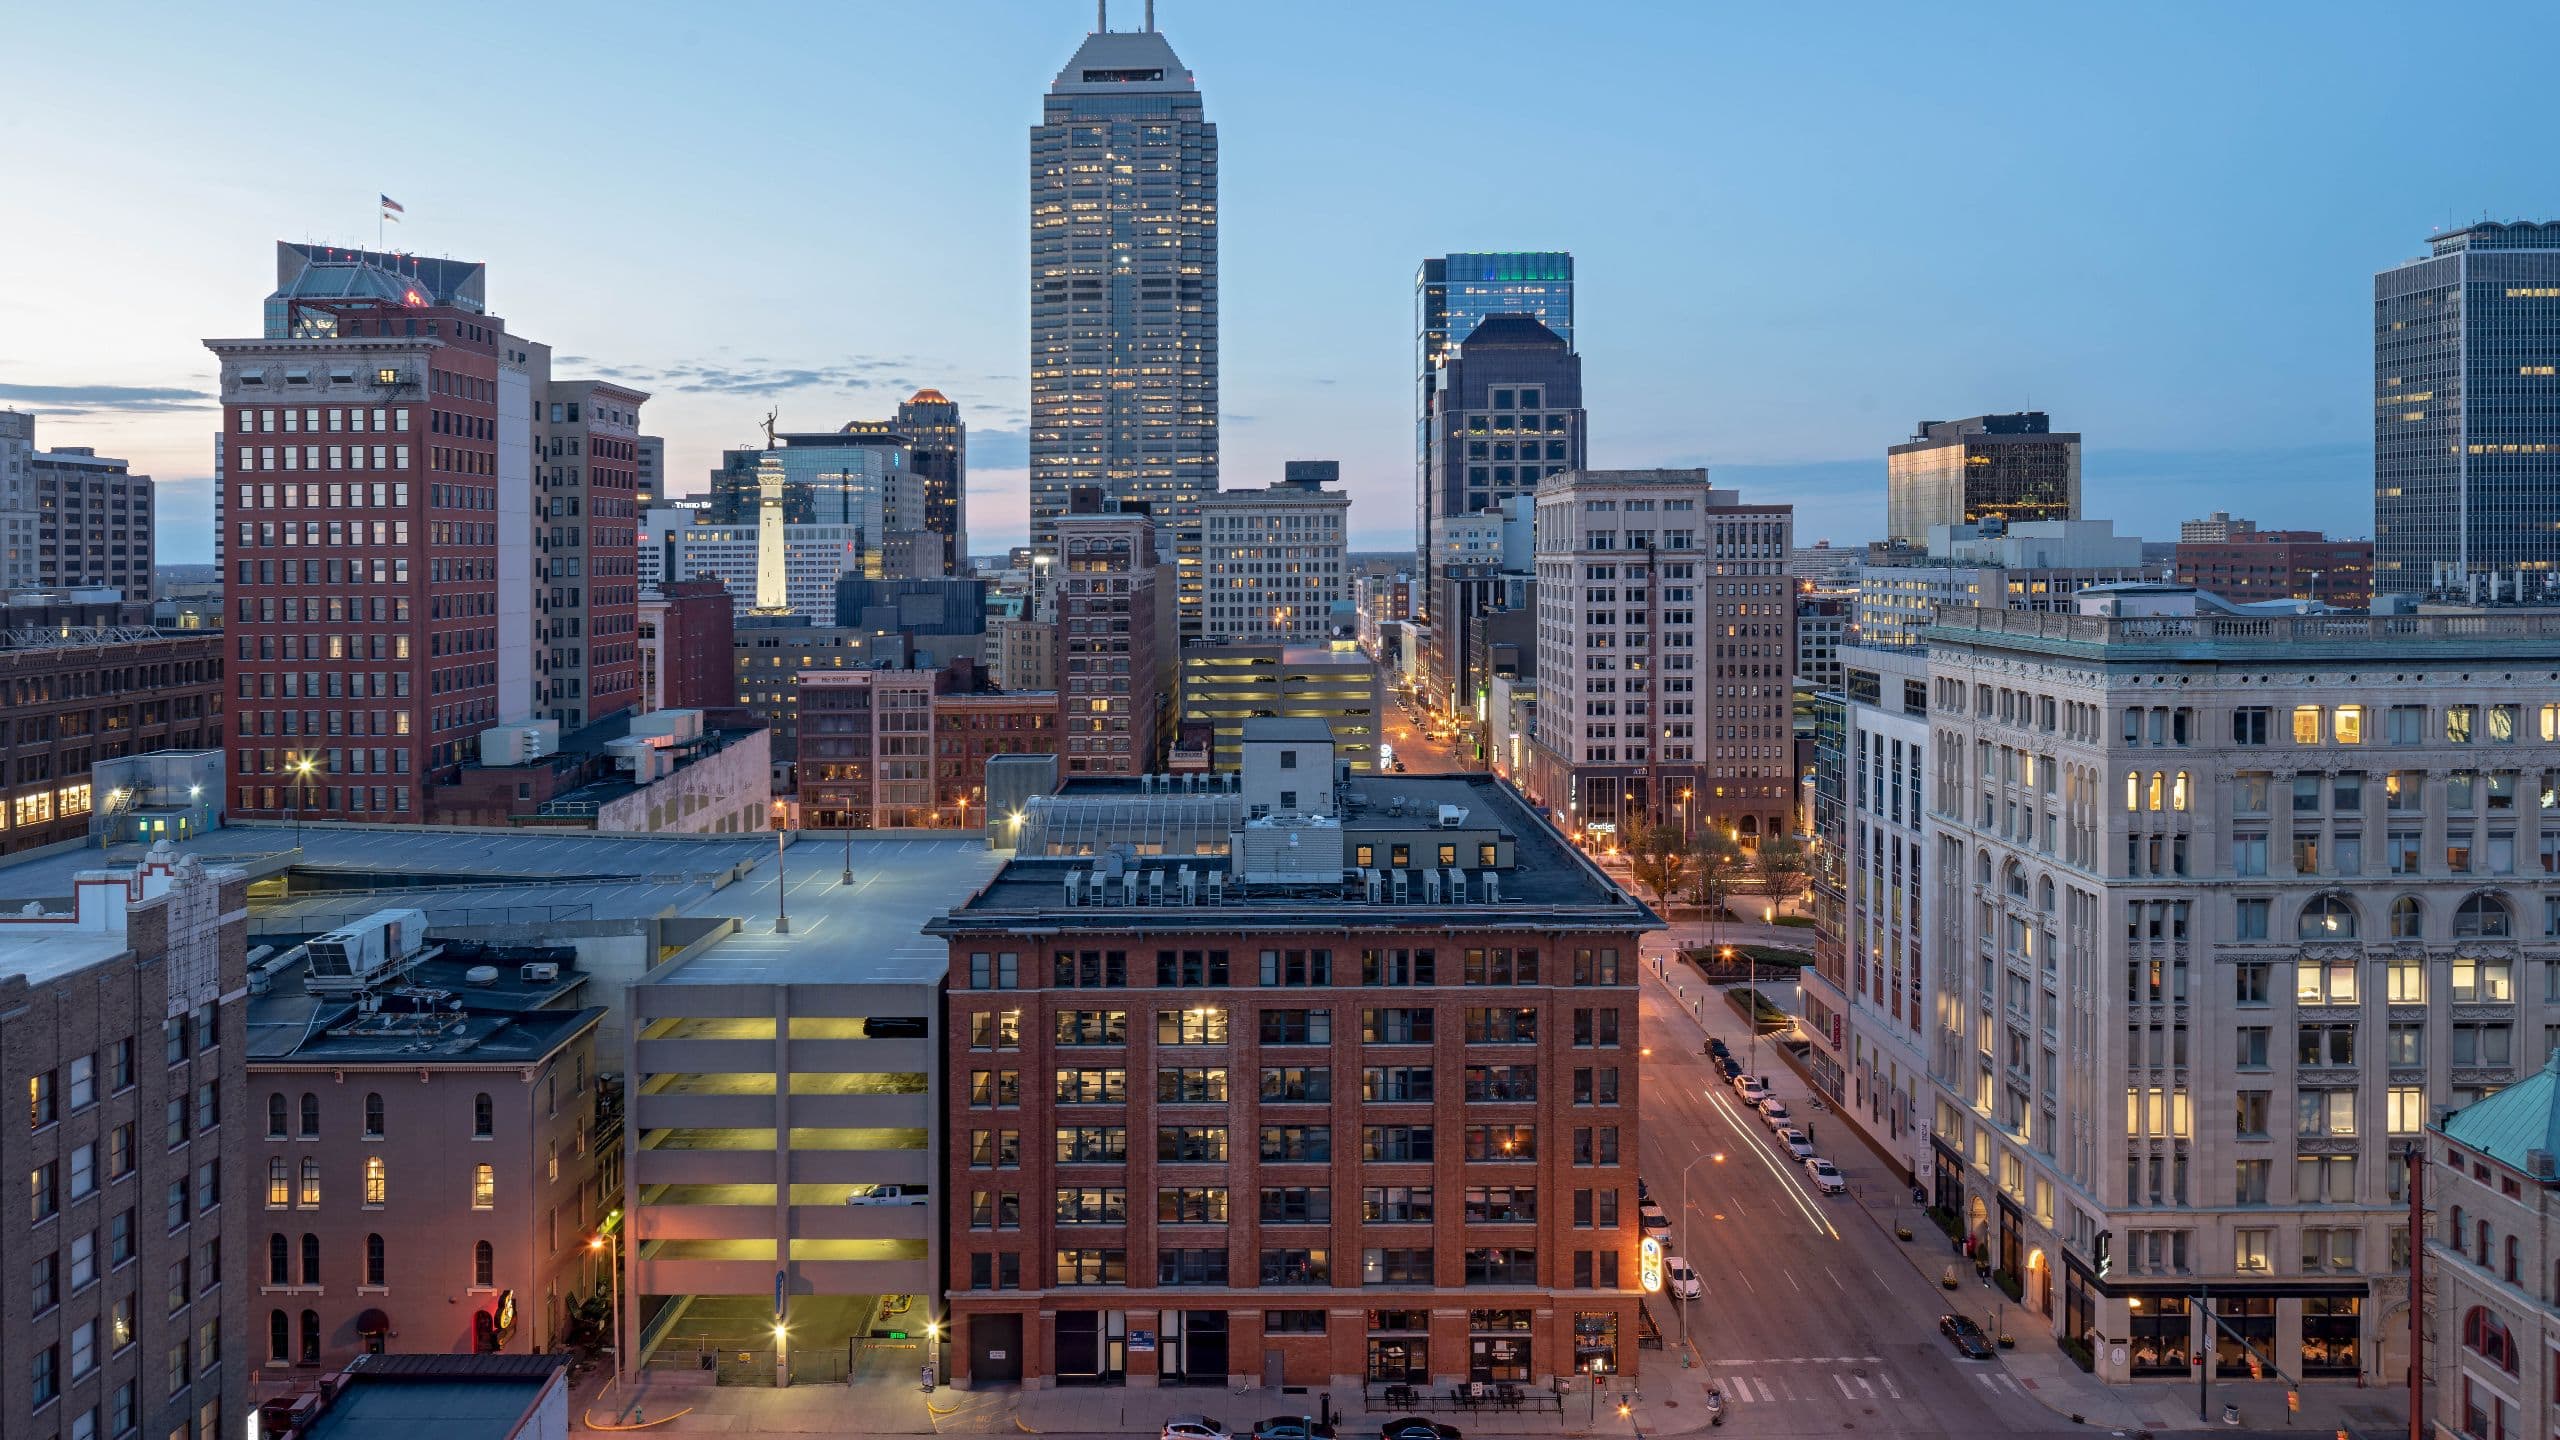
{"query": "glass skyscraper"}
{"type": "Point", "coordinates": [1124, 293]}
{"type": "Point", "coordinates": [1452, 295]}
{"type": "Point", "coordinates": [2466, 413]}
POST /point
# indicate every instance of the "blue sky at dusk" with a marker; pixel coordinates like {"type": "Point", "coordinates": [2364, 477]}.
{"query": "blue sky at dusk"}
{"type": "Point", "coordinates": [1798, 229]}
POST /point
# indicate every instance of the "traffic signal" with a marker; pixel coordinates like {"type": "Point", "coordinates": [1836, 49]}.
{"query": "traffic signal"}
{"type": "Point", "coordinates": [2257, 1371]}
{"type": "Point", "coordinates": [2292, 1402]}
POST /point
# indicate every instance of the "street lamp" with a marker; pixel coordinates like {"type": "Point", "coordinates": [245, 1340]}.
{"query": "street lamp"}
{"type": "Point", "coordinates": [301, 777]}
{"type": "Point", "coordinates": [1694, 1162]}
{"type": "Point", "coordinates": [608, 1246]}
{"type": "Point", "coordinates": [848, 856]}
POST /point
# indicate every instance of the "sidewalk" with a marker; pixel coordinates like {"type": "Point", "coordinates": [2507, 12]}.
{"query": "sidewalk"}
{"type": "Point", "coordinates": [2037, 1362]}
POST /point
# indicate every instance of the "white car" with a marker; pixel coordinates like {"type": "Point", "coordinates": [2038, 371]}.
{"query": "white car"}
{"type": "Point", "coordinates": [1683, 1280]}
{"type": "Point", "coordinates": [1750, 1089]}
{"type": "Point", "coordinates": [1774, 1113]}
{"type": "Point", "coordinates": [1650, 1216]}
{"type": "Point", "coordinates": [1826, 1176]}
{"type": "Point", "coordinates": [886, 1194]}
{"type": "Point", "coordinates": [1193, 1427]}
{"type": "Point", "coordinates": [1796, 1144]}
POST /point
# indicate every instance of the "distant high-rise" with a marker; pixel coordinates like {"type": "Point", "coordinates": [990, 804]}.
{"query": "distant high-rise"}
{"type": "Point", "coordinates": [1452, 295]}
{"type": "Point", "coordinates": [1124, 292]}
{"type": "Point", "coordinates": [1504, 411]}
{"type": "Point", "coordinates": [1989, 467]}
{"type": "Point", "coordinates": [939, 442]}
{"type": "Point", "coordinates": [2466, 413]}
{"type": "Point", "coordinates": [70, 518]}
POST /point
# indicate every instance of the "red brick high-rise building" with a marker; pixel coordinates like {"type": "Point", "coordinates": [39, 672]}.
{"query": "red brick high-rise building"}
{"type": "Point", "coordinates": [689, 643]}
{"type": "Point", "coordinates": [363, 547]}
{"type": "Point", "coordinates": [1111, 696]}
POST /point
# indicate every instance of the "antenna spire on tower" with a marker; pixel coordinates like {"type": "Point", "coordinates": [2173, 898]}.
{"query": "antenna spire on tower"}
{"type": "Point", "coordinates": [1101, 15]}
{"type": "Point", "coordinates": [1151, 17]}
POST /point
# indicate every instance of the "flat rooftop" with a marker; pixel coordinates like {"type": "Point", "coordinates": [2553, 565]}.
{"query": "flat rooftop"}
{"type": "Point", "coordinates": [508, 1021]}
{"type": "Point", "coordinates": [1548, 878]}
{"type": "Point", "coordinates": [452, 1397]}
{"type": "Point", "coordinates": [45, 958]}
{"type": "Point", "coordinates": [865, 933]}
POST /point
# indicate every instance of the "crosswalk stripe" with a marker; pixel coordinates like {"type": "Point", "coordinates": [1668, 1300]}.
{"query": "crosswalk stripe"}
{"type": "Point", "coordinates": [1890, 1388]}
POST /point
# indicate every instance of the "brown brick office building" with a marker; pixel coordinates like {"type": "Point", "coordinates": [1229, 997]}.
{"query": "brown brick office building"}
{"type": "Point", "coordinates": [1277, 1130]}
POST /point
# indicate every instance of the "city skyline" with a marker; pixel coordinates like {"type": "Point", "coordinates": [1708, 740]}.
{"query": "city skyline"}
{"type": "Point", "coordinates": [2164, 292]}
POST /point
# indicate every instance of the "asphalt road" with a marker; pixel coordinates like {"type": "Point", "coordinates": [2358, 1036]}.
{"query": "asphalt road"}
{"type": "Point", "coordinates": [1811, 1322]}
{"type": "Point", "coordinates": [1408, 733]}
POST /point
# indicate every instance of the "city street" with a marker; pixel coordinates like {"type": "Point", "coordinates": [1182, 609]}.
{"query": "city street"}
{"type": "Point", "coordinates": [1408, 732]}
{"type": "Point", "coordinates": [1811, 1320]}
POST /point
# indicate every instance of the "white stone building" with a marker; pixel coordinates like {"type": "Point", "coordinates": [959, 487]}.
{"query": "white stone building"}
{"type": "Point", "coordinates": [1277, 559]}
{"type": "Point", "coordinates": [2225, 908]}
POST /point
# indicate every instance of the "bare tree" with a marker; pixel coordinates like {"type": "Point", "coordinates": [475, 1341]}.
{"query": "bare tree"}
{"type": "Point", "coordinates": [1715, 868]}
{"type": "Point", "coordinates": [1658, 856]}
{"type": "Point", "coordinates": [1784, 868]}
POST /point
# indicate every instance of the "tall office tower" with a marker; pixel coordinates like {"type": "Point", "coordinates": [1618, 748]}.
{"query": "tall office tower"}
{"type": "Point", "coordinates": [2466, 426]}
{"type": "Point", "coordinates": [588, 596]}
{"type": "Point", "coordinates": [650, 471]}
{"type": "Point", "coordinates": [1503, 412]}
{"type": "Point", "coordinates": [365, 533]}
{"type": "Point", "coordinates": [1989, 467]}
{"type": "Point", "coordinates": [1124, 293]}
{"type": "Point", "coordinates": [1665, 611]}
{"type": "Point", "coordinates": [1110, 693]}
{"type": "Point", "coordinates": [1452, 295]}
{"type": "Point", "coordinates": [938, 441]}
{"type": "Point", "coordinates": [1275, 558]}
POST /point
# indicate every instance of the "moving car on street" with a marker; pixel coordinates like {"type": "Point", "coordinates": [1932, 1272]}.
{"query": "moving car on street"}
{"type": "Point", "coordinates": [1193, 1427]}
{"type": "Point", "coordinates": [1292, 1427]}
{"type": "Point", "coordinates": [1414, 1427]}
{"type": "Point", "coordinates": [1966, 1336]}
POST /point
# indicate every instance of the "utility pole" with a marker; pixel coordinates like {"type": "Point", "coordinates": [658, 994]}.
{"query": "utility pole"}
{"type": "Point", "coordinates": [781, 886]}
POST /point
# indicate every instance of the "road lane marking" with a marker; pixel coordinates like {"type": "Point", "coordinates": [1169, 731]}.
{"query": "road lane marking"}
{"type": "Point", "coordinates": [1791, 1281]}
{"type": "Point", "coordinates": [1844, 1389]}
{"type": "Point", "coordinates": [1835, 1278]}
{"type": "Point", "coordinates": [1759, 1148]}
{"type": "Point", "coordinates": [1890, 1388]}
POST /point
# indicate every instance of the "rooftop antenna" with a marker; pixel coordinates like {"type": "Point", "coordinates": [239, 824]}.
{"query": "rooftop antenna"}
{"type": "Point", "coordinates": [1102, 16]}
{"type": "Point", "coordinates": [1151, 17]}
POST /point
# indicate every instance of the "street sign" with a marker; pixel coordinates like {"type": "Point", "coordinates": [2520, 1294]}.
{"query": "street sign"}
{"type": "Point", "coordinates": [1141, 1341]}
{"type": "Point", "coordinates": [1649, 1265]}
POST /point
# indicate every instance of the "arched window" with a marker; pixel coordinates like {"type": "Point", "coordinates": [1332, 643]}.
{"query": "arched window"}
{"type": "Point", "coordinates": [2408, 918]}
{"type": "Point", "coordinates": [311, 1182]}
{"type": "Point", "coordinates": [2484, 1336]}
{"type": "Point", "coordinates": [279, 1336]}
{"type": "Point", "coordinates": [373, 1115]}
{"type": "Point", "coordinates": [310, 1337]}
{"type": "Point", "coordinates": [310, 1116]}
{"type": "Point", "coordinates": [275, 1123]}
{"type": "Point", "coordinates": [2159, 782]}
{"type": "Point", "coordinates": [279, 1184]}
{"type": "Point", "coordinates": [2327, 917]}
{"type": "Point", "coordinates": [2178, 792]}
{"type": "Point", "coordinates": [1982, 867]}
{"type": "Point", "coordinates": [310, 1259]}
{"type": "Point", "coordinates": [483, 1116]}
{"type": "Point", "coordinates": [2013, 878]}
{"type": "Point", "coordinates": [373, 1260]}
{"type": "Point", "coordinates": [377, 1185]}
{"type": "Point", "coordinates": [2132, 790]}
{"type": "Point", "coordinates": [2482, 917]}
{"type": "Point", "coordinates": [2044, 894]}
{"type": "Point", "coordinates": [279, 1272]}
{"type": "Point", "coordinates": [2457, 1227]}
{"type": "Point", "coordinates": [484, 1264]}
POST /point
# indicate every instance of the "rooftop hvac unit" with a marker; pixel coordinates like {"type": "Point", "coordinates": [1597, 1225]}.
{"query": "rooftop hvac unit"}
{"type": "Point", "coordinates": [1189, 885]}
{"type": "Point", "coordinates": [1399, 887]}
{"type": "Point", "coordinates": [1492, 887]}
{"type": "Point", "coordinates": [1452, 816]}
{"type": "Point", "coordinates": [2543, 1166]}
{"type": "Point", "coordinates": [1370, 882]}
{"type": "Point", "coordinates": [1155, 888]}
{"type": "Point", "coordinates": [1101, 886]}
{"type": "Point", "coordinates": [1129, 887]}
{"type": "Point", "coordinates": [482, 975]}
{"type": "Point", "coordinates": [379, 946]}
{"type": "Point", "coordinates": [1075, 887]}
{"type": "Point", "coordinates": [539, 972]}
{"type": "Point", "coordinates": [1430, 887]}
{"type": "Point", "coordinates": [1217, 887]}
{"type": "Point", "coordinates": [1457, 886]}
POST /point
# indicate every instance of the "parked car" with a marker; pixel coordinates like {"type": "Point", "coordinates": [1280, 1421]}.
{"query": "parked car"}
{"type": "Point", "coordinates": [1966, 1336]}
{"type": "Point", "coordinates": [1796, 1144]}
{"type": "Point", "coordinates": [1414, 1427]}
{"type": "Point", "coordinates": [885, 1194]}
{"type": "Point", "coordinates": [1774, 1113]}
{"type": "Point", "coordinates": [1193, 1427]}
{"type": "Point", "coordinates": [1750, 1089]}
{"type": "Point", "coordinates": [1682, 1280]}
{"type": "Point", "coordinates": [1717, 1048]}
{"type": "Point", "coordinates": [1826, 1176]}
{"type": "Point", "coordinates": [1650, 1216]}
{"type": "Point", "coordinates": [1292, 1427]}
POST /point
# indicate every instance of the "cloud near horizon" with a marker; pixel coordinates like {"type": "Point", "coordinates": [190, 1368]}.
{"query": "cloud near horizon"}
{"type": "Point", "coordinates": [123, 399]}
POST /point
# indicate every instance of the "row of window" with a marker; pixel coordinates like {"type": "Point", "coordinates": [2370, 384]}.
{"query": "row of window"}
{"type": "Point", "coordinates": [283, 1193]}
{"type": "Point", "coordinates": [1275, 1144]}
{"type": "Point", "coordinates": [1290, 1205]}
{"type": "Point", "coordinates": [1290, 1265]}
{"type": "Point", "coordinates": [1281, 1084]}
{"type": "Point", "coordinates": [1593, 1027]}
